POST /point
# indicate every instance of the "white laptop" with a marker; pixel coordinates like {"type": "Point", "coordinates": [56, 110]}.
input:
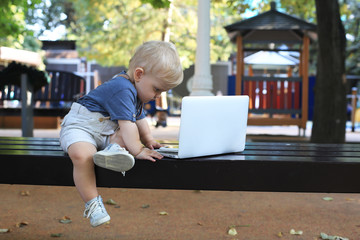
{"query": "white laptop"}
{"type": "Point", "coordinates": [210, 125]}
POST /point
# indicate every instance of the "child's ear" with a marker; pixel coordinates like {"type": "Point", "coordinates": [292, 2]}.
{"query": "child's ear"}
{"type": "Point", "coordinates": [138, 73]}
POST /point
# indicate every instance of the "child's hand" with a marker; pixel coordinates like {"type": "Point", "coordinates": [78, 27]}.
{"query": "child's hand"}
{"type": "Point", "coordinates": [149, 154]}
{"type": "Point", "coordinates": [153, 145]}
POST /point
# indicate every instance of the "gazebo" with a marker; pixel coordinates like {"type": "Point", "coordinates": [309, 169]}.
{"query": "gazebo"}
{"type": "Point", "coordinates": [280, 100]}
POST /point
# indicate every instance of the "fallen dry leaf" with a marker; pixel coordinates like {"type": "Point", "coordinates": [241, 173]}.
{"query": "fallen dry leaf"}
{"type": "Point", "coordinates": [65, 220]}
{"type": "Point", "coordinates": [56, 235]}
{"type": "Point", "coordinates": [280, 234]}
{"type": "Point", "coordinates": [293, 232]}
{"type": "Point", "coordinates": [21, 224]}
{"type": "Point", "coordinates": [110, 202]}
{"type": "Point", "coordinates": [232, 231]}
{"type": "Point", "coordinates": [25, 193]}
{"type": "Point", "coordinates": [324, 236]}
{"type": "Point", "coordinates": [241, 225]}
{"type": "Point", "coordinates": [237, 226]}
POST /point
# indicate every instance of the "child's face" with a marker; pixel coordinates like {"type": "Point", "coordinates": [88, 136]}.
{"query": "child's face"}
{"type": "Point", "coordinates": [148, 86]}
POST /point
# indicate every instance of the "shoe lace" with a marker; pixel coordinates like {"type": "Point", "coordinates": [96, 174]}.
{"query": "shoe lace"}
{"type": "Point", "coordinates": [91, 209]}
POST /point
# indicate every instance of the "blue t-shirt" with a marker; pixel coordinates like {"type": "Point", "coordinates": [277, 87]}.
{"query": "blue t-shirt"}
{"type": "Point", "coordinates": [116, 98]}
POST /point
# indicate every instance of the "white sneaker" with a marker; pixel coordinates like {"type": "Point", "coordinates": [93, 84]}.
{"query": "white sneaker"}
{"type": "Point", "coordinates": [95, 210]}
{"type": "Point", "coordinates": [115, 158]}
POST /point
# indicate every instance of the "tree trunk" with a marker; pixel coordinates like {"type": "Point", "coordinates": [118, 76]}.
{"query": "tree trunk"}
{"type": "Point", "coordinates": [329, 120]}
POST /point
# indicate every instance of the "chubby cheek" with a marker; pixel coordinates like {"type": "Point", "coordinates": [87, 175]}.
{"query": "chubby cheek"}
{"type": "Point", "coordinates": [146, 94]}
{"type": "Point", "coordinates": [145, 97]}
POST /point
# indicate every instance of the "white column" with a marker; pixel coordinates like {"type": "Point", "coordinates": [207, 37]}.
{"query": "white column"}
{"type": "Point", "coordinates": [202, 83]}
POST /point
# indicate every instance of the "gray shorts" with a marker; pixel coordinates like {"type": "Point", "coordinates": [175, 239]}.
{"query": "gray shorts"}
{"type": "Point", "coordinates": [81, 125]}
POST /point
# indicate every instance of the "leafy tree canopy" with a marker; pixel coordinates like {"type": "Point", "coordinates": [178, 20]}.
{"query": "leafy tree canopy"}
{"type": "Point", "coordinates": [13, 32]}
{"type": "Point", "coordinates": [158, 3]}
{"type": "Point", "coordinates": [108, 31]}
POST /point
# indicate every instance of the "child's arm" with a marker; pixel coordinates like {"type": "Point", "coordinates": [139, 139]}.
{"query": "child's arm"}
{"type": "Point", "coordinates": [130, 135]}
{"type": "Point", "coordinates": [145, 134]}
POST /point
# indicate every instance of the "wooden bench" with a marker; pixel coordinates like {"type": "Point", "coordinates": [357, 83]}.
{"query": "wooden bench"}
{"type": "Point", "coordinates": [54, 99]}
{"type": "Point", "coordinates": [263, 166]}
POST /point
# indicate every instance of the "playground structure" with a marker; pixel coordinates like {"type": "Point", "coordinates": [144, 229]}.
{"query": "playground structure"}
{"type": "Point", "coordinates": [275, 99]}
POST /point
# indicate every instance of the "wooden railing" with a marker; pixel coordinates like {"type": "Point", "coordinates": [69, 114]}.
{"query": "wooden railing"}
{"type": "Point", "coordinates": [274, 100]}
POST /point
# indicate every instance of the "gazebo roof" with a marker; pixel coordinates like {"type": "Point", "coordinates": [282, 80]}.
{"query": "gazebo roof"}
{"type": "Point", "coordinates": [270, 58]}
{"type": "Point", "coordinates": [271, 26]}
{"type": "Point", "coordinates": [21, 56]}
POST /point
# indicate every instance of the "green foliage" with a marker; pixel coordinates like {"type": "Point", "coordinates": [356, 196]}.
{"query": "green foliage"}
{"type": "Point", "coordinates": [304, 9]}
{"type": "Point", "coordinates": [31, 43]}
{"type": "Point", "coordinates": [351, 21]}
{"type": "Point", "coordinates": [48, 15]}
{"type": "Point", "coordinates": [158, 3]}
{"type": "Point", "coordinates": [234, 7]}
{"type": "Point", "coordinates": [350, 15]}
{"type": "Point", "coordinates": [11, 17]}
{"type": "Point", "coordinates": [110, 31]}
{"type": "Point", "coordinates": [12, 24]}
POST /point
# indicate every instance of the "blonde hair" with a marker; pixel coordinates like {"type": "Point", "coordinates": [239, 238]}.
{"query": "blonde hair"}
{"type": "Point", "coordinates": [159, 59]}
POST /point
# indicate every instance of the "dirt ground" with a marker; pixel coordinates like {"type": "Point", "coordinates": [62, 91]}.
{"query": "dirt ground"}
{"type": "Point", "coordinates": [34, 213]}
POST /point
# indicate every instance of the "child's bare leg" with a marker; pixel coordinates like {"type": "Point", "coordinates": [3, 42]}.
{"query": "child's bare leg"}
{"type": "Point", "coordinates": [81, 154]}
{"type": "Point", "coordinates": [117, 138]}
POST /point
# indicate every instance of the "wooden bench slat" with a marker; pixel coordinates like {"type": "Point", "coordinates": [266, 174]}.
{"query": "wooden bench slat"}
{"type": "Point", "coordinates": [284, 153]}
{"type": "Point", "coordinates": [28, 139]}
{"type": "Point", "coordinates": [251, 149]}
{"type": "Point", "coordinates": [265, 145]}
{"type": "Point", "coordinates": [304, 153]}
{"type": "Point", "coordinates": [30, 147]}
{"type": "Point", "coordinates": [302, 144]}
{"type": "Point", "coordinates": [294, 168]}
{"type": "Point", "coordinates": [32, 153]}
{"type": "Point", "coordinates": [56, 151]}
{"type": "Point", "coordinates": [205, 174]}
{"type": "Point", "coordinates": [24, 142]}
{"type": "Point", "coordinates": [304, 148]}
{"type": "Point", "coordinates": [249, 145]}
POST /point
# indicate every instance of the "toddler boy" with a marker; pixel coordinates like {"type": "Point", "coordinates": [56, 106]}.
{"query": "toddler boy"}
{"type": "Point", "coordinates": [111, 119]}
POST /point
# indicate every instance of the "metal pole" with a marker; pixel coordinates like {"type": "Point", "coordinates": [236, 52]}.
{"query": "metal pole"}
{"type": "Point", "coordinates": [27, 115]}
{"type": "Point", "coordinates": [353, 105]}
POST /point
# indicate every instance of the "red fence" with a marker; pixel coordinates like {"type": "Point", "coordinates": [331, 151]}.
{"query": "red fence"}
{"type": "Point", "coordinates": [273, 95]}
